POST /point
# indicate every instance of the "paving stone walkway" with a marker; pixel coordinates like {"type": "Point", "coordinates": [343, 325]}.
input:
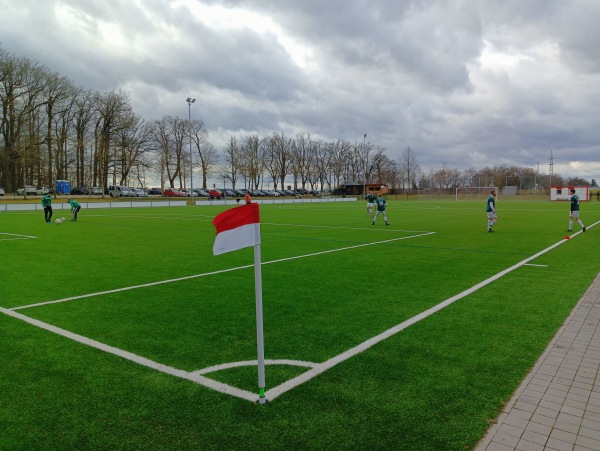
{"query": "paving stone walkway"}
{"type": "Point", "coordinates": [557, 407]}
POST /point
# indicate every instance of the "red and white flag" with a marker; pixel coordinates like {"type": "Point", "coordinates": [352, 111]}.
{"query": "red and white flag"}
{"type": "Point", "coordinates": [237, 228]}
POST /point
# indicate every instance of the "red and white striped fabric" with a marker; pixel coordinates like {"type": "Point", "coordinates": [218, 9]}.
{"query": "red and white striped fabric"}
{"type": "Point", "coordinates": [237, 228]}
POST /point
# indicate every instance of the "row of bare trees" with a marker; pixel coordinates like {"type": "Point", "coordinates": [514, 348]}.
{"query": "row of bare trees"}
{"type": "Point", "coordinates": [504, 175]}
{"type": "Point", "coordinates": [53, 130]}
{"type": "Point", "coordinates": [303, 162]}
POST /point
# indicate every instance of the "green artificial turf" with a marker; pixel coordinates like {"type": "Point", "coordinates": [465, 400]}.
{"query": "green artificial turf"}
{"type": "Point", "coordinates": [327, 288]}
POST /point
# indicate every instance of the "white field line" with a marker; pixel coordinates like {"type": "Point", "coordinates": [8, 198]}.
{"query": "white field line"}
{"type": "Point", "coordinates": [18, 237]}
{"type": "Point", "coordinates": [195, 276]}
{"type": "Point", "coordinates": [199, 379]}
{"type": "Point", "coordinates": [292, 383]}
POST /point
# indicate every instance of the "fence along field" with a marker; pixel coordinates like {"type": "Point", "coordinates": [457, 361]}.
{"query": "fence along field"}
{"type": "Point", "coordinates": [327, 288]}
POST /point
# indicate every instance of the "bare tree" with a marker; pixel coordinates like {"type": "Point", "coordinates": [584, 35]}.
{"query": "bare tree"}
{"type": "Point", "coordinates": [253, 161]}
{"type": "Point", "coordinates": [168, 134]}
{"type": "Point", "coordinates": [281, 157]}
{"type": "Point", "coordinates": [233, 161]}
{"type": "Point", "coordinates": [206, 151]}
{"type": "Point", "coordinates": [21, 86]}
{"type": "Point", "coordinates": [113, 110]}
{"type": "Point", "coordinates": [83, 115]}
{"type": "Point", "coordinates": [409, 167]}
{"type": "Point", "coordinates": [300, 153]}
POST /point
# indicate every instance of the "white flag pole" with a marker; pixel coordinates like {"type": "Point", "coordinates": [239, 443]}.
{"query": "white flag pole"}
{"type": "Point", "coordinates": [260, 345]}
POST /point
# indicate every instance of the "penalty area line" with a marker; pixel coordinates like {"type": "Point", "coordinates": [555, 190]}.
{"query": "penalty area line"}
{"type": "Point", "coordinates": [195, 276]}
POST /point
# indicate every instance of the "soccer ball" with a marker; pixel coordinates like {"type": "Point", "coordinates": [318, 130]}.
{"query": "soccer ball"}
{"type": "Point", "coordinates": [62, 219]}
{"type": "Point", "coordinates": [58, 221]}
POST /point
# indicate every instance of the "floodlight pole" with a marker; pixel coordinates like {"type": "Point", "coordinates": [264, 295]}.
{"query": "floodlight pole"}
{"type": "Point", "coordinates": [189, 100]}
{"type": "Point", "coordinates": [365, 166]}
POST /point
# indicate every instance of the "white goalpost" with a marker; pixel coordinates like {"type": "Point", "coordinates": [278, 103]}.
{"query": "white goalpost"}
{"type": "Point", "coordinates": [476, 193]}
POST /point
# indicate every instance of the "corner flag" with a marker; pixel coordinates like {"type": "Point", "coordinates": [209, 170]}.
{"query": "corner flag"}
{"type": "Point", "coordinates": [238, 228]}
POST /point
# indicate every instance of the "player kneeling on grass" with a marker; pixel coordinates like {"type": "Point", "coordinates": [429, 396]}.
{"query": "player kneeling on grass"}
{"type": "Point", "coordinates": [574, 213]}
{"type": "Point", "coordinates": [490, 209]}
{"type": "Point", "coordinates": [381, 204]}
{"type": "Point", "coordinates": [75, 207]}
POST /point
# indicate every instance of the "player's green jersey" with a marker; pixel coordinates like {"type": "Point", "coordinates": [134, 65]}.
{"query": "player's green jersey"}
{"type": "Point", "coordinates": [47, 200]}
{"type": "Point", "coordinates": [574, 202]}
{"type": "Point", "coordinates": [370, 198]}
{"type": "Point", "coordinates": [381, 203]}
{"type": "Point", "coordinates": [491, 204]}
{"type": "Point", "coordinates": [74, 204]}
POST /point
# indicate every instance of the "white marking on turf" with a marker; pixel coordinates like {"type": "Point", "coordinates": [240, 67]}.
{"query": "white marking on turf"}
{"type": "Point", "coordinates": [195, 276]}
{"type": "Point", "coordinates": [19, 237]}
{"type": "Point", "coordinates": [292, 383]}
{"type": "Point", "coordinates": [199, 379]}
{"type": "Point", "coordinates": [315, 370]}
{"type": "Point", "coordinates": [226, 366]}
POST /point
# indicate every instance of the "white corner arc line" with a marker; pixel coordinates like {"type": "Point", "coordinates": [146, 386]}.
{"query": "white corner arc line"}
{"type": "Point", "coordinates": [226, 366]}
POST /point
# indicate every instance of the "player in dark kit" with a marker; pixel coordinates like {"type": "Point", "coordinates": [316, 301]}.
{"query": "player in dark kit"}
{"type": "Point", "coordinates": [75, 207]}
{"type": "Point", "coordinates": [47, 204]}
{"type": "Point", "coordinates": [574, 213]}
{"type": "Point", "coordinates": [381, 204]}
{"type": "Point", "coordinates": [370, 198]}
{"type": "Point", "coordinates": [490, 209]}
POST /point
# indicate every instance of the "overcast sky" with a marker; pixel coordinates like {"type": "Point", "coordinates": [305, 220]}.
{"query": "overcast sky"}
{"type": "Point", "coordinates": [464, 83]}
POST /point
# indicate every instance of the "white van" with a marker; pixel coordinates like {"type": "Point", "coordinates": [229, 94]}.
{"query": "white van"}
{"type": "Point", "coordinates": [119, 191]}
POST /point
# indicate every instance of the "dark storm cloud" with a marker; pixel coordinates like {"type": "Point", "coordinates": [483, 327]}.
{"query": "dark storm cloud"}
{"type": "Point", "coordinates": [462, 83]}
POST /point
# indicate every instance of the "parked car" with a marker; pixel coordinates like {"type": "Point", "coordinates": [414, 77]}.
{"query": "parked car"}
{"type": "Point", "coordinates": [139, 192]}
{"type": "Point", "coordinates": [119, 191]}
{"type": "Point", "coordinates": [2, 193]}
{"type": "Point", "coordinates": [154, 192]}
{"type": "Point", "coordinates": [214, 194]}
{"type": "Point", "coordinates": [170, 192]}
{"type": "Point", "coordinates": [28, 189]}
{"type": "Point", "coordinates": [96, 190]}
{"type": "Point", "coordinates": [80, 190]}
{"type": "Point", "coordinates": [200, 192]}
{"type": "Point", "coordinates": [43, 190]}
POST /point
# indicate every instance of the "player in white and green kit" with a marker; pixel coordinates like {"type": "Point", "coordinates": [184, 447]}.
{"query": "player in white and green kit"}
{"type": "Point", "coordinates": [370, 201]}
{"type": "Point", "coordinates": [574, 212]}
{"type": "Point", "coordinates": [381, 204]}
{"type": "Point", "coordinates": [490, 209]}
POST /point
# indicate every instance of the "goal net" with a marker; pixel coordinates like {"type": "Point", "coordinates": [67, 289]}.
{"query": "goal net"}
{"type": "Point", "coordinates": [476, 193]}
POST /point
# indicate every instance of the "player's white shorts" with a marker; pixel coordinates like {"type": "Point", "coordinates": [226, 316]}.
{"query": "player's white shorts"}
{"type": "Point", "coordinates": [369, 205]}
{"type": "Point", "coordinates": [492, 215]}
{"type": "Point", "coordinates": [574, 214]}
